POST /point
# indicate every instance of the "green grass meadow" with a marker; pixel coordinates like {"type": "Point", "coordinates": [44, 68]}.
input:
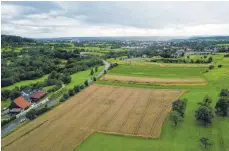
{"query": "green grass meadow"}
{"type": "Point", "coordinates": [24, 83]}
{"type": "Point", "coordinates": [158, 71]}
{"type": "Point", "coordinates": [186, 136]}
{"type": "Point", "coordinates": [81, 77]}
{"type": "Point", "coordinates": [5, 103]}
{"type": "Point", "coordinates": [222, 44]}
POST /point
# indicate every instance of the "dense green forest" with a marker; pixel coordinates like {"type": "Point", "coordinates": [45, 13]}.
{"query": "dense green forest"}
{"type": "Point", "coordinates": [10, 40]}
{"type": "Point", "coordinates": [32, 63]}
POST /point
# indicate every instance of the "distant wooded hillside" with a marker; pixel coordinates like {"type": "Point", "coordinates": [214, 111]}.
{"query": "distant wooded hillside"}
{"type": "Point", "coordinates": [14, 40]}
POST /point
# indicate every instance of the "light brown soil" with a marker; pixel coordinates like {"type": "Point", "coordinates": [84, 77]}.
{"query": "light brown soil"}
{"type": "Point", "coordinates": [163, 81]}
{"type": "Point", "coordinates": [108, 109]}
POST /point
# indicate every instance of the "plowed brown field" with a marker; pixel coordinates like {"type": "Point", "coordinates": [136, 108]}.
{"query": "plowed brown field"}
{"type": "Point", "coordinates": [108, 109]}
{"type": "Point", "coordinates": [170, 81]}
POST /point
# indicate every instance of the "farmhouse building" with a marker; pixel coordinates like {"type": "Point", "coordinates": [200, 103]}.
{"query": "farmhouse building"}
{"type": "Point", "coordinates": [38, 95]}
{"type": "Point", "coordinates": [18, 105]}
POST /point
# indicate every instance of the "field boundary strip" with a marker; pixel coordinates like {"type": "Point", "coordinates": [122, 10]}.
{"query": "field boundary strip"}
{"type": "Point", "coordinates": [90, 128]}
{"type": "Point", "coordinates": [160, 81]}
{"type": "Point", "coordinates": [125, 134]}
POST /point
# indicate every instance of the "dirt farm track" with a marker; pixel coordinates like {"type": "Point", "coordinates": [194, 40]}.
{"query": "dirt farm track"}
{"type": "Point", "coordinates": [108, 109]}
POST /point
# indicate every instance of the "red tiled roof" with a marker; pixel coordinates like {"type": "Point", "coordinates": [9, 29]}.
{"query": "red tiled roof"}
{"type": "Point", "coordinates": [38, 95]}
{"type": "Point", "coordinates": [21, 102]}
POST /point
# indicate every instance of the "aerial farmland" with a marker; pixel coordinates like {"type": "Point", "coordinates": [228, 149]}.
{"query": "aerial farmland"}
{"type": "Point", "coordinates": [106, 109]}
{"type": "Point", "coordinates": [114, 76]}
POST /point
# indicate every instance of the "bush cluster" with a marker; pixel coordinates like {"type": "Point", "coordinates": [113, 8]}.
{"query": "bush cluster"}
{"type": "Point", "coordinates": [222, 106]}
{"type": "Point", "coordinates": [72, 92]}
{"type": "Point", "coordinates": [204, 114]}
{"type": "Point", "coordinates": [174, 60]}
{"type": "Point", "coordinates": [32, 114]}
{"type": "Point", "coordinates": [178, 110]}
{"type": "Point", "coordinates": [4, 122]}
{"type": "Point", "coordinates": [112, 65]}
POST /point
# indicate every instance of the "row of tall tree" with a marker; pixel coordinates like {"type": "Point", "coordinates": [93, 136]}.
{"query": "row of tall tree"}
{"type": "Point", "coordinates": [205, 113]}
{"type": "Point", "coordinates": [178, 110]}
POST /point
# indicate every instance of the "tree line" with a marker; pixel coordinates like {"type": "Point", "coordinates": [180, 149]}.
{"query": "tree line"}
{"type": "Point", "coordinates": [173, 60]}
{"type": "Point", "coordinates": [36, 63]}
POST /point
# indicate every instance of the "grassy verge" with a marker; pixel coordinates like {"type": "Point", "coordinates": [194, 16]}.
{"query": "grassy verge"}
{"type": "Point", "coordinates": [143, 85]}
{"type": "Point", "coordinates": [24, 83]}
{"type": "Point", "coordinates": [81, 77]}
{"type": "Point", "coordinates": [222, 44]}
{"type": "Point", "coordinates": [5, 103]}
{"type": "Point", "coordinates": [158, 71]}
{"type": "Point", "coordinates": [48, 87]}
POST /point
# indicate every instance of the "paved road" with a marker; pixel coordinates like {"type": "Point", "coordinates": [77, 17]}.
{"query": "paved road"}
{"type": "Point", "coordinates": [41, 104]}
{"type": "Point", "coordinates": [107, 65]}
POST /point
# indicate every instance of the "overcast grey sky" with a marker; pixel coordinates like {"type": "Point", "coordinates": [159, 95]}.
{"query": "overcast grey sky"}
{"type": "Point", "coordinates": [73, 19]}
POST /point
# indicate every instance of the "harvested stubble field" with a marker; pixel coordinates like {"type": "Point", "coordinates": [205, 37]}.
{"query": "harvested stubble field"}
{"type": "Point", "coordinates": [169, 81]}
{"type": "Point", "coordinates": [108, 109]}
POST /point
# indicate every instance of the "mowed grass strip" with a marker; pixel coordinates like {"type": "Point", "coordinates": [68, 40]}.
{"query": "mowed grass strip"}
{"type": "Point", "coordinates": [171, 81]}
{"type": "Point", "coordinates": [158, 71]}
{"type": "Point", "coordinates": [147, 62]}
{"type": "Point", "coordinates": [77, 78]}
{"type": "Point", "coordinates": [96, 107]}
{"type": "Point", "coordinates": [81, 77]}
{"type": "Point", "coordinates": [25, 82]}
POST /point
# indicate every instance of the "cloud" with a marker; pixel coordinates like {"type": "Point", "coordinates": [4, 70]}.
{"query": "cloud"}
{"type": "Point", "coordinates": [61, 19]}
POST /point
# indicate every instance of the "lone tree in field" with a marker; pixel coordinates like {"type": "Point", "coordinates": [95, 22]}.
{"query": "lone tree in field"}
{"type": "Point", "coordinates": [210, 59]}
{"type": "Point", "coordinates": [211, 67]}
{"type": "Point", "coordinates": [220, 66]}
{"type": "Point", "coordinates": [204, 115]}
{"type": "Point", "coordinates": [222, 107]}
{"type": "Point", "coordinates": [92, 71]}
{"type": "Point", "coordinates": [205, 142]}
{"type": "Point", "coordinates": [179, 106]}
{"type": "Point", "coordinates": [175, 117]}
